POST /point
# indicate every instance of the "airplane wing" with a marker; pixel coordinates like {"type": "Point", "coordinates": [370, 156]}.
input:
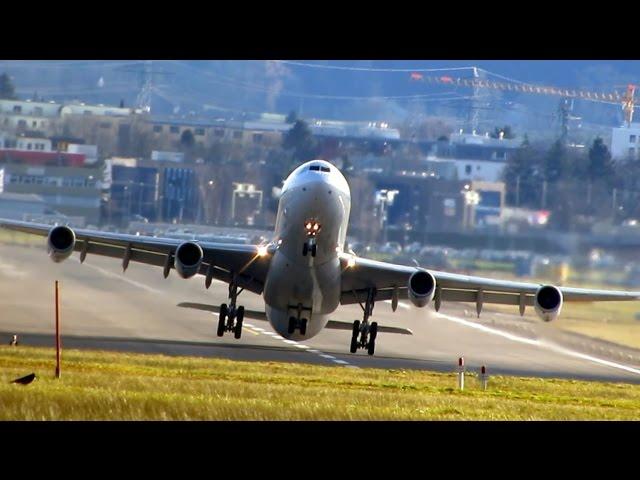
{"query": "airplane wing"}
{"type": "Point", "coordinates": [361, 274]}
{"type": "Point", "coordinates": [224, 260]}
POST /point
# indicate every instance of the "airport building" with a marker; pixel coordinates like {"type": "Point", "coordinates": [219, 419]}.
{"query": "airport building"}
{"type": "Point", "coordinates": [69, 190]}
{"type": "Point", "coordinates": [625, 142]}
{"type": "Point", "coordinates": [134, 194]}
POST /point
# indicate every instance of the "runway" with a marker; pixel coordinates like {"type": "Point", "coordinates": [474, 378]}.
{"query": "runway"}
{"type": "Point", "coordinates": [102, 308]}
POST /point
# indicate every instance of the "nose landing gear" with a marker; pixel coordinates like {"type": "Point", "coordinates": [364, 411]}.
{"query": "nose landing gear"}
{"type": "Point", "coordinates": [298, 322]}
{"type": "Point", "coordinates": [367, 332]}
{"type": "Point", "coordinates": [231, 317]}
{"type": "Point", "coordinates": [309, 246]}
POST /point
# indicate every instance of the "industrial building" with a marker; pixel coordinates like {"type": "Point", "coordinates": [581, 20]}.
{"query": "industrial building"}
{"type": "Point", "coordinates": [72, 191]}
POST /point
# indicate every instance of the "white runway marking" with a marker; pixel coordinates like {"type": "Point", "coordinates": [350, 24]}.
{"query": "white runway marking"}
{"type": "Point", "coordinates": [261, 331]}
{"type": "Point", "coordinates": [121, 277]}
{"type": "Point", "coordinates": [538, 343]}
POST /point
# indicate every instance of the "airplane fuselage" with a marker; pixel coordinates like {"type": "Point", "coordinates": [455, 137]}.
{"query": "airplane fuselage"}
{"type": "Point", "coordinates": [313, 210]}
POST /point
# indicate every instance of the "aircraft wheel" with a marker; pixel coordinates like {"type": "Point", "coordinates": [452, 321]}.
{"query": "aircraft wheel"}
{"type": "Point", "coordinates": [222, 319]}
{"type": "Point", "coordinates": [371, 346]}
{"type": "Point", "coordinates": [354, 345]}
{"type": "Point", "coordinates": [237, 332]}
{"type": "Point", "coordinates": [303, 327]}
{"type": "Point", "coordinates": [373, 331]}
{"type": "Point", "coordinates": [292, 325]}
{"type": "Point", "coordinates": [313, 249]}
{"type": "Point", "coordinates": [305, 249]}
{"type": "Point", "coordinates": [356, 329]}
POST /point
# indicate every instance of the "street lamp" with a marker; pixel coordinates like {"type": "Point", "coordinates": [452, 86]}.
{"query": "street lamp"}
{"type": "Point", "coordinates": [471, 200]}
{"type": "Point", "coordinates": [384, 199]}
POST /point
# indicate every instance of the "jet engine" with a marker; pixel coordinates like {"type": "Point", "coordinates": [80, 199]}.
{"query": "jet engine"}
{"type": "Point", "coordinates": [188, 258]}
{"type": "Point", "coordinates": [60, 243]}
{"type": "Point", "coordinates": [548, 302]}
{"type": "Point", "coordinates": [422, 287]}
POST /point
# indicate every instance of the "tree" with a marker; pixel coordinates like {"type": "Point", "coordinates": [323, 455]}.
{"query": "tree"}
{"type": "Point", "coordinates": [521, 176]}
{"type": "Point", "coordinates": [292, 117]}
{"type": "Point", "coordinates": [301, 142]}
{"type": "Point", "coordinates": [187, 139]}
{"type": "Point", "coordinates": [7, 90]}
{"type": "Point", "coordinates": [601, 166]}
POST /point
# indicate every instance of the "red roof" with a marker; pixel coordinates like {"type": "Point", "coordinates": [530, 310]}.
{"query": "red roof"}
{"type": "Point", "coordinates": [58, 159]}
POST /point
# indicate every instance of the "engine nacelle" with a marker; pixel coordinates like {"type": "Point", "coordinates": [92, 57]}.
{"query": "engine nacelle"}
{"type": "Point", "coordinates": [60, 243]}
{"type": "Point", "coordinates": [422, 287]}
{"type": "Point", "coordinates": [548, 302]}
{"type": "Point", "coordinates": [188, 258]}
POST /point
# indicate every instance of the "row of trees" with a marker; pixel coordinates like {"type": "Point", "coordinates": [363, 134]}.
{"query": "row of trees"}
{"type": "Point", "coordinates": [579, 186]}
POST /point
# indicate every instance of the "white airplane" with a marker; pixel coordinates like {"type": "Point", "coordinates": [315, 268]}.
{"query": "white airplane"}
{"type": "Point", "coordinates": [304, 274]}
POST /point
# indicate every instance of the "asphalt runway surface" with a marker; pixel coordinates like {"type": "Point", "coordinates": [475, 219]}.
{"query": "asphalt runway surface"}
{"type": "Point", "coordinates": [102, 308]}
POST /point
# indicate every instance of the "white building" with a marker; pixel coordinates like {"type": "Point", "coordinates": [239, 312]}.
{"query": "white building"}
{"type": "Point", "coordinates": [33, 143]}
{"type": "Point", "coordinates": [625, 142]}
{"type": "Point", "coordinates": [90, 152]}
{"type": "Point", "coordinates": [479, 170]}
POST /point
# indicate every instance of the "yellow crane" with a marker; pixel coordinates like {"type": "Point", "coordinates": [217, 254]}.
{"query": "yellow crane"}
{"type": "Point", "coordinates": [625, 99]}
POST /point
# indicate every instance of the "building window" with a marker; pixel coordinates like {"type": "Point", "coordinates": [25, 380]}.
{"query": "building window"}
{"type": "Point", "coordinates": [199, 131]}
{"type": "Point", "coordinates": [632, 139]}
{"type": "Point", "coordinates": [467, 169]}
{"type": "Point", "coordinates": [632, 152]}
{"type": "Point", "coordinates": [22, 123]}
{"type": "Point", "coordinates": [237, 134]}
{"type": "Point", "coordinates": [28, 146]}
{"type": "Point", "coordinates": [37, 111]}
{"type": "Point", "coordinates": [174, 129]}
{"type": "Point", "coordinates": [219, 132]}
{"type": "Point", "coordinates": [87, 112]}
{"type": "Point", "coordinates": [257, 138]}
{"type": "Point", "coordinates": [157, 129]}
{"type": "Point", "coordinates": [34, 124]}
{"type": "Point", "coordinates": [17, 109]}
{"type": "Point", "coordinates": [105, 125]}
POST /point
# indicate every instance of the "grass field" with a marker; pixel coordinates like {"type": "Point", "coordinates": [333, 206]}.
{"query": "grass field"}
{"type": "Point", "coordinates": [118, 386]}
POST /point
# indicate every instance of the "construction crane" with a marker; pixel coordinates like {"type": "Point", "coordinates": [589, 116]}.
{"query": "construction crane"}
{"type": "Point", "coordinates": [626, 100]}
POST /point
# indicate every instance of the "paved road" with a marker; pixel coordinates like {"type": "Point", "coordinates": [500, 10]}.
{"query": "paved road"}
{"type": "Point", "coordinates": [102, 308]}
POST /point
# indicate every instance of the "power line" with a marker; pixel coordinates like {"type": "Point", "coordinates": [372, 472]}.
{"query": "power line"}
{"type": "Point", "coordinates": [368, 69]}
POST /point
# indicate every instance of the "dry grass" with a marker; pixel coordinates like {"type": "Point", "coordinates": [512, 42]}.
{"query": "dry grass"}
{"type": "Point", "coordinates": [118, 386]}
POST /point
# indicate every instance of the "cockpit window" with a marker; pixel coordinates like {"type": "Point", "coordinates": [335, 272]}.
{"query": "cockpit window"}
{"type": "Point", "coordinates": [318, 168]}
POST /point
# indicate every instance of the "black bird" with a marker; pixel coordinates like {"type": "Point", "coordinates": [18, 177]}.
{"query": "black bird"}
{"type": "Point", "coordinates": [26, 380]}
{"type": "Point", "coordinates": [14, 341]}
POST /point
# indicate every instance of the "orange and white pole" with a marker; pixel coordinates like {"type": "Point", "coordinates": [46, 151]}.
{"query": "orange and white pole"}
{"type": "Point", "coordinates": [58, 346]}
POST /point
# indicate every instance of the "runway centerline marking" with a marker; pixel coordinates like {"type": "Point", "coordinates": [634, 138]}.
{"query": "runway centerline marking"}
{"type": "Point", "coordinates": [538, 343]}
{"type": "Point", "coordinates": [305, 348]}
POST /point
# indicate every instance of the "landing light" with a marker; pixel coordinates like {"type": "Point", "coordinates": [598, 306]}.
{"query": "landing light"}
{"type": "Point", "coordinates": [351, 262]}
{"type": "Point", "coordinates": [262, 250]}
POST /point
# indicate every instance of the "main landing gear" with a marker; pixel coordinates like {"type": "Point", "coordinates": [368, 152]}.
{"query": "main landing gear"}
{"type": "Point", "coordinates": [297, 322]}
{"type": "Point", "coordinates": [231, 317]}
{"type": "Point", "coordinates": [364, 333]}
